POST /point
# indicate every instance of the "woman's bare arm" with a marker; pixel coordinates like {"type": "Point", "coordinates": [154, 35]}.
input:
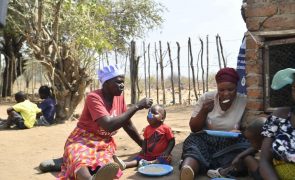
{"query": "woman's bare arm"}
{"type": "Point", "coordinates": [197, 123]}
{"type": "Point", "coordinates": [111, 124]}
{"type": "Point", "coordinates": [265, 166]}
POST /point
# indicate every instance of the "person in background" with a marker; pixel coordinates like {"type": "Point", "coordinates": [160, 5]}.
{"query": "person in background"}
{"type": "Point", "coordinates": [158, 141]}
{"type": "Point", "coordinates": [47, 106]}
{"type": "Point", "coordinates": [23, 114]}
{"type": "Point", "coordinates": [218, 110]}
{"type": "Point", "coordinates": [89, 150]}
{"type": "Point", "coordinates": [277, 159]}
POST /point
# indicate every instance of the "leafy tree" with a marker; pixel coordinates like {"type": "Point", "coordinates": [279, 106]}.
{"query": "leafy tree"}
{"type": "Point", "coordinates": [66, 36]}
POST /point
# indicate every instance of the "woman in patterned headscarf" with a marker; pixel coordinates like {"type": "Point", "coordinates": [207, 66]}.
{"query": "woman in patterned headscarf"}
{"type": "Point", "coordinates": [218, 110]}
{"type": "Point", "coordinates": [89, 150]}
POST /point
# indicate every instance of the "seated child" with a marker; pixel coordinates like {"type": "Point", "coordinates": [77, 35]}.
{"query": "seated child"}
{"type": "Point", "coordinates": [246, 158]}
{"type": "Point", "coordinates": [158, 141]}
{"type": "Point", "coordinates": [23, 114]}
{"type": "Point", "coordinates": [47, 106]}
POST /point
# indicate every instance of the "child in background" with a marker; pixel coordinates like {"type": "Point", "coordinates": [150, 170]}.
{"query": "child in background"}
{"type": "Point", "coordinates": [23, 114]}
{"type": "Point", "coordinates": [246, 158]}
{"type": "Point", "coordinates": [47, 106]}
{"type": "Point", "coordinates": [158, 141]}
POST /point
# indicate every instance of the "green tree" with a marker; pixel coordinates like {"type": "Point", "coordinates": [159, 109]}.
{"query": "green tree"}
{"type": "Point", "coordinates": [66, 36]}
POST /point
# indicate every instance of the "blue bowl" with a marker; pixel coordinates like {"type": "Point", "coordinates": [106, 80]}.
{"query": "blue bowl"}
{"type": "Point", "coordinates": [155, 170]}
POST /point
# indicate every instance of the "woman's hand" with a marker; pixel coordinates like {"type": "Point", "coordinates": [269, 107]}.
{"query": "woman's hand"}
{"type": "Point", "coordinates": [145, 103]}
{"type": "Point", "coordinates": [197, 123]}
{"type": "Point", "coordinates": [208, 106]}
{"type": "Point", "coordinates": [235, 130]}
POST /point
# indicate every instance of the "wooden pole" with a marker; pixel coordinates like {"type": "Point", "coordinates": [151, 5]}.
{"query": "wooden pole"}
{"type": "Point", "coordinates": [221, 49]}
{"type": "Point", "coordinates": [125, 67]}
{"type": "Point", "coordinates": [198, 62]}
{"type": "Point", "coordinates": [172, 75]}
{"type": "Point", "coordinates": [157, 77]}
{"type": "Point", "coordinates": [188, 70]}
{"type": "Point", "coordinates": [218, 53]}
{"type": "Point", "coordinates": [149, 69]}
{"type": "Point", "coordinates": [107, 58]}
{"type": "Point", "coordinates": [207, 72]}
{"type": "Point", "coordinates": [144, 62]}
{"type": "Point", "coordinates": [133, 72]}
{"type": "Point", "coordinates": [193, 70]}
{"type": "Point", "coordinates": [116, 56]}
{"type": "Point", "coordinates": [178, 65]}
{"type": "Point", "coordinates": [137, 80]}
{"type": "Point", "coordinates": [162, 73]}
{"type": "Point", "coordinates": [202, 64]}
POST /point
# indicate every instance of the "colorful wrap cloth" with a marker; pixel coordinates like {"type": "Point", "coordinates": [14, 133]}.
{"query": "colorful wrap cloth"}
{"type": "Point", "coordinates": [285, 170]}
{"type": "Point", "coordinates": [83, 148]}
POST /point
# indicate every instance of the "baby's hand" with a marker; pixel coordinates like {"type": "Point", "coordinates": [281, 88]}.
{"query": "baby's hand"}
{"type": "Point", "coordinates": [236, 161]}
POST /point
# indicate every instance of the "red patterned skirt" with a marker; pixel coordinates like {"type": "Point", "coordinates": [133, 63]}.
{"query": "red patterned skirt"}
{"type": "Point", "coordinates": [85, 149]}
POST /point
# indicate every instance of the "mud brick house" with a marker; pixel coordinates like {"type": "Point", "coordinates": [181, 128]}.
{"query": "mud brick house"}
{"type": "Point", "coordinates": [270, 43]}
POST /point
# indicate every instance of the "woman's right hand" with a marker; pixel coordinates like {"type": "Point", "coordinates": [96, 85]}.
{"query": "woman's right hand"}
{"type": "Point", "coordinates": [145, 103]}
{"type": "Point", "coordinates": [208, 106]}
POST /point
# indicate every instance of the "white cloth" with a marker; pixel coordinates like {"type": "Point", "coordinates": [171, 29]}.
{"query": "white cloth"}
{"type": "Point", "coordinates": [109, 72]}
{"type": "Point", "coordinates": [218, 119]}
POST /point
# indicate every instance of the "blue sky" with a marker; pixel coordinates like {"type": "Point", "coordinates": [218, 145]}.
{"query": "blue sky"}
{"type": "Point", "coordinates": [196, 19]}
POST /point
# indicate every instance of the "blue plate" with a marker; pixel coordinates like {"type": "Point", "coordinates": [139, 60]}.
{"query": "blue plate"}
{"type": "Point", "coordinates": [223, 133]}
{"type": "Point", "coordinates": [155, 169]}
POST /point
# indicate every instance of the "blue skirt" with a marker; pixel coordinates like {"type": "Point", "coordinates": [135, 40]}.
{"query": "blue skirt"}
{"type": "Point", "coordinates": [213, 152]}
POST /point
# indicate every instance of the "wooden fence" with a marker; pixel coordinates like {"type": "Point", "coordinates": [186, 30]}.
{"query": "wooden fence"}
{"type": "Point", "coordinates": [198, 86]}
{"type": "Point", "coordinates": [188, 86]}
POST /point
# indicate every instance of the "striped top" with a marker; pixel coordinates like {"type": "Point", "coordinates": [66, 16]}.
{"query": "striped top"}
{"type": "Point", "coordinates": [241, 66]}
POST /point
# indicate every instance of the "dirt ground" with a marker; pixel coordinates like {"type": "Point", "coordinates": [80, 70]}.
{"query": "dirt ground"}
{"type": "Point", "coordinates": [22, 150]}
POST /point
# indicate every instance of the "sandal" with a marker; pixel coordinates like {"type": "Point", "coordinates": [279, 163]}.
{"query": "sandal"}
{"type": "Point", "coordinates": [187, 173]}
{"type": "Point", "coordinates": [51, 165]}
{"type": "Point", "coordinates": [106, 172]}
{"type": "Point", "coordinates": [214, 173]}
{"type": "Point", "coordinates": [119, 161]}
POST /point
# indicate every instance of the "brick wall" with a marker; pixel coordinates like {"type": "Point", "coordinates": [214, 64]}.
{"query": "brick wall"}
{"type": "Point", "coordinates": [264, 18]}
